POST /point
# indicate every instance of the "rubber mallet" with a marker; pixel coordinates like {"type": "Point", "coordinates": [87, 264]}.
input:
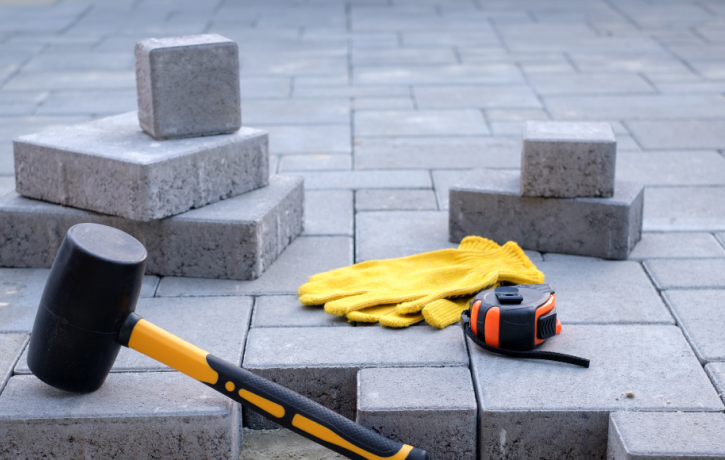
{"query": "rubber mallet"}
{"type": "Point", "coordinates": [87, 313]}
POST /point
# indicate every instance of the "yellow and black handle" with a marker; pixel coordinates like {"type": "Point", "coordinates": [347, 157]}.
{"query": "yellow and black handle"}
{"type": "Point", "coordinates": [277, 403]}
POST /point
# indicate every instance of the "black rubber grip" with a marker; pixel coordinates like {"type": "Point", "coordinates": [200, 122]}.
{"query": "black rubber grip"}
{"type": "Point", "coordinates": [306, 417]}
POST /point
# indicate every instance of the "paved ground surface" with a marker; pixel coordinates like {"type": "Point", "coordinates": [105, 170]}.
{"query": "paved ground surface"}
{"type": "Point", "coordinates": [381, 106]}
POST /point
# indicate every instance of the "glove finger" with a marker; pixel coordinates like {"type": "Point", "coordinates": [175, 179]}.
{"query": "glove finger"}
{"type": "Point", "coordinates": [395, 319]}
{"type": "Point", "coordinates": [444, 312]}
{"type": "Point", "coordinates": [310, 297]}
{"type": "Point", "coordinates": [466, 287]}
{"type": "Point", "coordinates": [345, 305]}
{"type": "Point", "coordinates": [477, 244]}
{"type": "Point", "coordinates": [371, 314]}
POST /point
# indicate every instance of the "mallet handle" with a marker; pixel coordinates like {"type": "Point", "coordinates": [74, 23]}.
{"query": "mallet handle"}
{"type": "Point", "coordinates": [273, 401]}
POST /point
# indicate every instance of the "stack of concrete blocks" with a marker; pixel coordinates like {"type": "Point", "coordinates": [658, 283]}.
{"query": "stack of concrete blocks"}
{"type": "Point", "coordinates": [564, 200]}
{"type": "Point", "coordinates": [193, 187]}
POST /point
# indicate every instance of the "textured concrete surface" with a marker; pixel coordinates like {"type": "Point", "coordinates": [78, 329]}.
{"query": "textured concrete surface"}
{"type": "Point", "coordinates": [322, 362]}
{"type": "Point", "coordinates": [676, 246]}
{"type": "Point", "coordinates": [430, 408]}
{"type": "Point", "coordinates": [282, 444]}
{"type": "Point", "coordinates": [11, 345]}
{"type": "Point", "coordinates": [666, 436]}
{"type": "Point", "coordinates": [188, 86]}
{"type": "Point", "coordinates": [687, 273]}
{"type": "Point", "coordinates": [487, 203]}
{"type": "Point", "coordinates": [214, 324]}
{"type": "Point", "coordinates": [716, 372]}
{"type": "Point", "coordinates": [259, 225]}
{"type": "Point", "coordinates": [130, 416]}
{"type": "Point", "coordinates": [700, 314]}
{"type": "Point", "coordinates": [287, 311]}
{"type": "Point", "coordinates": [543, 410]}
{"type": "Point", "coordinates": [568, 160]}
{"type": "Point", "coordinates": [112, 167]}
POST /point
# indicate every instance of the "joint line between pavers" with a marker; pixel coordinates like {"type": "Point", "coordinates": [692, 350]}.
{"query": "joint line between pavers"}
{"type": "Point", "coordinates": [15, 361]}
{"type": "Point", "coordinates": [249, 330]}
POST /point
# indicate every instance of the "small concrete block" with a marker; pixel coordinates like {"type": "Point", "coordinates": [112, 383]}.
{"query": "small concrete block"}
{"type": "Point", "coordinates": [112, 167]}
{"type": "Point", "coordinates": [322, 362]}
{"type": "Point", "coordinates": [568, 160]}
{"type": "Point", "coordinates": [716, 372]}
{"type": "Point", "coordinates": [701, 316]}
{"type": "Point", "coordinates": [487, 203]}
{"type": "Point", "coordinates": [404, 404]}
{"type": "Point", "coordinates": [666, 436]}
{"type": "Point", "coordinates": [539, 409]}
{"type": "Point", "coordinates": [287, 311]}
{"type": "Point", "coordinates": [151, 414]}
{"type": "Point", "coordinates": [217, 325]}
{"type": "Point", "coordinates": [687, 273]}
{"type": "Point", "coordinates": [257, 226]}
{"type": "Point", "coordinates": [188, 86]}
{"type": "Point", "coordinates": [11, 346]}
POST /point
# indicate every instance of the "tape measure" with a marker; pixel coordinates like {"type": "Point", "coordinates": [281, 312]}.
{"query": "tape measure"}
{"type": "Point", "coordinates": [514, 320]}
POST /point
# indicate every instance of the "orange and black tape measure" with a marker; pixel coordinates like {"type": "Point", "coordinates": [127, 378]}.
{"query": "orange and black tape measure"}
{"type": "Point", "coordinates": [514, 320]}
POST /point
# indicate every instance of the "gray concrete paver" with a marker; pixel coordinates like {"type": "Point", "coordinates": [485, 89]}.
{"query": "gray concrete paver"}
{"type": "Point", "coordinates": [655, 107]}
{"type": "Point", "coordinates": [487, 97]}
{"type": "Point", "coordinates": [684, 209]}
{"type": "Point", "coordinates": [716, 372]}
{"type": "Point", "coordinates": [679, 134]}
{"type": "Point", "coordinates": [687, 273]}
{"type": "Point", "coordinates": [291, 163]}
{"type": "Point", "coordinates": [316, 180]}
{"type": "Point", "coordinates": [700, 315]}
{"type": "Point", "coordinates": [328, 212]}
{"type": "Point", "coordinates": [11, 346]}
{"type": "Point", "coordinates": [685, 245]}
{"type": "Point", "coordinates": [419, 123]}
{"type": "Point", "coordinates": [287, 311]}
{"type": "Point", "coordinates": [667, 167]}
{"type": "Point", "coordinates": [314, 139]}
{"type": "Point", "coordinates": [570, 84]}
{"type": "Point", "coordinates": [395, 200]}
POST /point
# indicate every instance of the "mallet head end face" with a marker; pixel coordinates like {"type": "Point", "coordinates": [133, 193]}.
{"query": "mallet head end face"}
{"type": "Point", "coordinates": [93, 285]}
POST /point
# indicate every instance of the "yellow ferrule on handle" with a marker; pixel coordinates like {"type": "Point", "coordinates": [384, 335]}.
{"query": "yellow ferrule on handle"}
{"type": "Point", "coordinates": [168, 349]}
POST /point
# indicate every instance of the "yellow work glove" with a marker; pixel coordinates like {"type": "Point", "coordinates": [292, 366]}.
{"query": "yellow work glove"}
{"type": "Point", "coordinates": [435, 286]}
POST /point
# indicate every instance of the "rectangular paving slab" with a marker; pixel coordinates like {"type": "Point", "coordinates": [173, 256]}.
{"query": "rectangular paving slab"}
{"type": "Point", "coordinates": [237, 238]}
{"type": "Point", "coordinates": [112, 167]}
{"type": "Point", "coordinates": [568, 160]}
{"type": "Point", "coordinates": [322, 362]}
{"type": "Point", "coordinates": [152, 414]}
{"type": "Point", "coordinates": [287, 311]}
{"type": "Point", "coordinates": [432, 408]}
{"type": "Point", "coordinates": [716, 372]}
{"type": "Point", "coordinates": [11, 345]}
{"type": "Point", "coordinates": [687, 273]}
{"type": "Point", "coordinates": [666, 436]}
{"type": "Point", "coordinates": [677, 245]}
{"type": "Point", "coordinates": [539, 409]}
{"type": "Point", "coordinates": [701, 315]}
{"type": "Point", "coordinates": [188, 86]}
{"type": "Point", "coordinates": [217, 325]}
{"type": "Point", "coordinates": [488, 203]}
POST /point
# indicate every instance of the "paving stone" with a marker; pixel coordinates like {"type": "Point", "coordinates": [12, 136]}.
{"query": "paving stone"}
{"type": "Point", "coordinates": [684, 209]}
{"type": "Point", "coordinates": [668, 167]}
{"type": "Point", "coordinates": [281, 444]}
{"type": "Point", "coordinates": [403, 56]}
{"type": "Point", "coordinates": [328, 212]}
{"type": "Point", "coordinates": [383, 103]}
{"type": "Point", "coordinates": [647, 435]}
{"type": "Point", "coordinates": [487, 97]}
{"type": "Point", "coordinates": [692, 87]}
{"type": "Point", "coordinates": [259, 224]}
{"type": "Point", "coordinates": [188, 86]}
{"type": "Point", "coordinates": [81, 60]}
{"type": "Point", "coordinates": [402, 404]}
{"type": "Point", "coordinates": [315, 163]}
{"type": "Point", "coordinates": [352, 91]}
{"type": "Point", "coordinates": [21, 103]}
{"type": "Point", "coordinates": [11, 346]}
{"type": "Point", "coordinates": [79, 80]}
{"type": "Point", "coordinates": [389, 234]}
{"type": "Point", "coordinates": [518, 115]}
{"type": "Point", "coordinates": [678, 134]}
{"type": "Point", "coordinates": [131, 416]}
{"type": "Point", "coordinates": [595, 291]}
{"type": "Point", "coordinates": [144, 184]}
{"type": "Point", "coordinates": [676, 245]}
{"type": "Point", "coordinates": [7, 185]}
{"type": "Point", "coordinates": [306, 256]}
{"type": "Point", "coordinates": [687, 273]}
{"type": "Point", "coordinates": [426, 75]}
{"type": "Point", "coordinates": [568, 159]}
{"type": "Point", "coordinates": [444, 180]}
{"type": "Point", "coordinates": [395, 200]}
{"type": "Point", "coordinates": [721, 237]}
{"type": "Point", "coordinates": [656, 107]}
{"type": "Point", "coordinates": [315, 139]}
{"type": "Point", "coordinates": [716, 372]}
{"type": "Point", "coordinates": [596, 227]}
{"type": "Point", "coordinates": [322, 362]}
{"type": "Point", "coordinates": [552, 410]}
{"type": "Point", "coordinates": [296, 111]}
{"type": "Point", "coordinates": [214, 324]}
{"type": "Point", "coordinates": [287, 311]}
{"type": "Point", "coordinates": [89, 102]}
{"type": "Point", "coordinates": [426, 123]}
{"type": "Point", "coordinates": [366, 179]}
{"type": "Point", "coordinates": [260, 88]}
{"type": "Point", "coordinates": [700, 316]}
{"type": "Point", "coordinates": [437, 152]}
{"type": "Point", "coordinates": [569, 84]}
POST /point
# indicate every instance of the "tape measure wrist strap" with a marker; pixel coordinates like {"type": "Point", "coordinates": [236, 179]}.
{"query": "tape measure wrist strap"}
{"type": "Point", "coordinates": [546, 355]}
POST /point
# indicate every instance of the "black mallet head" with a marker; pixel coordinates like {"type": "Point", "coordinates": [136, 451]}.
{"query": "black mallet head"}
{"type": "Point", "coordinates": [93, 285]}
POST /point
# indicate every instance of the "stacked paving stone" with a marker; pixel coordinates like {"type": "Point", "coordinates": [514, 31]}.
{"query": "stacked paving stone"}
{"type": "Point", "coordinates": [188, 183]}
{"type": "Point", "coordinates": [564, 200]}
